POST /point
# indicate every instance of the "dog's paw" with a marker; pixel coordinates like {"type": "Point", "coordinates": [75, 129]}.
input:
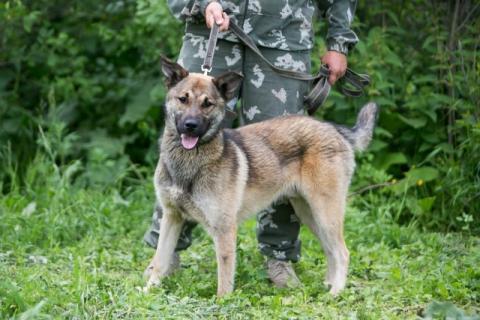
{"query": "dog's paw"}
{"type": "Point", "coordinates": [335, 289]}
{"type": "Point", "coordinates": [153, 281]}
{"type": "Point", "coordinates": [223, 293]}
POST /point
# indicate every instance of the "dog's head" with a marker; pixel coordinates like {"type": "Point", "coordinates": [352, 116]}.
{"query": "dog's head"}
{"type": "Point", "coordinates": [195, 103]}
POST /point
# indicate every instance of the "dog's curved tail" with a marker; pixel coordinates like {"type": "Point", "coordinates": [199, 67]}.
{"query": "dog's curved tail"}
{"type": "Point", "coordinates": [361, 134]}
{"type": "Point", "coordinates": [363, 129]}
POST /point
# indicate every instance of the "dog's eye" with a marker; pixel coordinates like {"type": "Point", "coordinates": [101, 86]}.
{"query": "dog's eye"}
{"type": "Point", "coordinates": [206, 103]}
{"type": "Point", "coordinates": [183, 99]}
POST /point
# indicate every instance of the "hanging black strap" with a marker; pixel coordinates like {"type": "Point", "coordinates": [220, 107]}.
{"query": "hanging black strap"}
{"type": "Point", "coordinates": [354, 82]}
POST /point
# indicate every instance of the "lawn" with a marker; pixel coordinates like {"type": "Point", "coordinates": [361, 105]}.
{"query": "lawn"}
{"type": "Point", "coordinates": [77, 253]}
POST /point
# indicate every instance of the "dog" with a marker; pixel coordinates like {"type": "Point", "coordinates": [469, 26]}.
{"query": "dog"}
{"type": "Point", "coordinates": [218, 177]}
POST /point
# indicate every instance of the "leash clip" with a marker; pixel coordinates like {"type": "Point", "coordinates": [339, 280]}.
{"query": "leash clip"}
{"type": "Point", "coordinates": [206, 70]}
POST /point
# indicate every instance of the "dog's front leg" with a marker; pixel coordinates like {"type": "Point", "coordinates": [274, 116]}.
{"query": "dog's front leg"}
{"type": "Point", "coordinates": [170, 228]}
{"type": "Point", "coordinates": [225, 247]}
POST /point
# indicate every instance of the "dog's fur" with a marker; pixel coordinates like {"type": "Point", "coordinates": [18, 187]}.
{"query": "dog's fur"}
{"type": "Point", "coordinates": [231, 174]}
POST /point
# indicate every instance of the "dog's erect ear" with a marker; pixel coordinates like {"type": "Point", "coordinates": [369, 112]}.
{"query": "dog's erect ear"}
{"type": "Point", "coordinates": [173, 72]}
{"type": "Point", "coordinates": [228, 83]}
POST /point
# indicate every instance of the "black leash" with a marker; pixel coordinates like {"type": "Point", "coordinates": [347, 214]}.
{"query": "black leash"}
{"type": "Point", "coordinates": [212, 43]}
{"type": "Point", "coordinates": [354, 82]}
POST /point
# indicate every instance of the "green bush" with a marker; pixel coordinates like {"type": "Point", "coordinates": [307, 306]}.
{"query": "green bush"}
{"type": "Point", "coordinates": [423, 60]}
{"type": "Point", "coordinates": [91, 65]}
{"type": "Point", "coordinates": [84, 76]}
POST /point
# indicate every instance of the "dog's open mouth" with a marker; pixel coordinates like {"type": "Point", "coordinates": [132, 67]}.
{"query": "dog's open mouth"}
{"type": "Point", "coordinates": [188, 142]}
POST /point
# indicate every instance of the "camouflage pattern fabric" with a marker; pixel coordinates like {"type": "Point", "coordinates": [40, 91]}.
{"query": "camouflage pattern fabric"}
{"type": "Point", "coordinates": [280, 24]}
{"type": "Point", "coordinates": [264, 94]}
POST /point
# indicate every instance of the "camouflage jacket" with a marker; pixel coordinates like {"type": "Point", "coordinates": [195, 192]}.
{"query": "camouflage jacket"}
{"type": "Point", "coordinates": [279, 24]}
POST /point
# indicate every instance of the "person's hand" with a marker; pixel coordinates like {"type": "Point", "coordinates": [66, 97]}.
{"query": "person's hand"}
{"type": "Point", "coordinates": [214, 14]}
{"type": "Point", "coordinates": [337, 64]}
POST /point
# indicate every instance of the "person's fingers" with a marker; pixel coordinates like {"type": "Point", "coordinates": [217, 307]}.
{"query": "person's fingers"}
{"type": "Point", "coordinates": [335, 73]}
{"type": "Point", "coordinates": [226, 22]}
{"type": "Point", "coordinates": [218, 15]}
{"type": "Point", "coordinates": [337, 65]}
{"type": "Point", "coordinates": [332, 78]}
{"type": "Point", "coordinates": [214, 14]}
{"type": "Point", "coordinates": [209, 19]}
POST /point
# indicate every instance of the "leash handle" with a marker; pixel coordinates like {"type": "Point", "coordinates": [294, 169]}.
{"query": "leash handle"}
{"type": "Point", "coordinates": [212, 43]}
{"type": "Point", "coordinates": [354, 87]}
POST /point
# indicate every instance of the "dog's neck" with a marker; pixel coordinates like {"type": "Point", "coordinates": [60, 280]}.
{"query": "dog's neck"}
{"type": "Point", "coordinates": [183, 164]}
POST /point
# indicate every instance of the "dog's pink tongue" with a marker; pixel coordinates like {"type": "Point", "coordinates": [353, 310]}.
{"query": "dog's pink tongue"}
{"type": "Point", "coordinates": [188, 142]}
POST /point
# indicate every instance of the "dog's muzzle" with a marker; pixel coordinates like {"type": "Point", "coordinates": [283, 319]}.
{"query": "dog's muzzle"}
{"type": "Point", "coordinates": [191, 129]}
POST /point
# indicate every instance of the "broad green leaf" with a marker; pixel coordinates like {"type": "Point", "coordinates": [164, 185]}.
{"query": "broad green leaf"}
{"type": "Point", "coordinates": [385, 102]}
{"type": "Point", "coordinates": [381, 132]}
{"type": "Point", "coordinates": [430, 113]}
{"type": "Point", "coordinates": [414, 122]}
{"type": "Point", "coordinates": [416, 176]}
{"type": "Point", "coordinates": [393, 59]}
{"type": "Point", "coordinates": [30, 19]}
{"type": "Point", "coordinates": [423, 173]}
{"type": "Point", "coordinates": [438, 98]}
{"type": "Point", "coordinates": [386, 160]}
{"type": "Point", "coordinates": [426, 204]}
{"type": "Point", "coordinates": [429, 78]}
{"type": "Point", "coordinates": [377, 145]}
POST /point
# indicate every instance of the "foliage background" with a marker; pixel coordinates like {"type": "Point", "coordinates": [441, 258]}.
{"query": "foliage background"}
{"type": "Point", "coordinates": [80, 114]}
{"type": "Point", "coordinates": [80, 83]}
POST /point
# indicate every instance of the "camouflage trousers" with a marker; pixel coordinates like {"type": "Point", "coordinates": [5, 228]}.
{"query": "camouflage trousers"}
{"type": "Point", "coordinates": [263, 95]}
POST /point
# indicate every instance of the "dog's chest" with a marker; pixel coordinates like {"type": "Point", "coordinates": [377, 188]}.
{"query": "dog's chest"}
{"type": "Point", "coordinates": [185, 185]}
{"type": "Point", "coordinates": [185, 197]}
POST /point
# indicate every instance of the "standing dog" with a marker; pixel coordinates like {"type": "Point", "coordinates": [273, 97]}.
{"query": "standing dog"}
{"type": "Point", "coordinates": [219, 177]}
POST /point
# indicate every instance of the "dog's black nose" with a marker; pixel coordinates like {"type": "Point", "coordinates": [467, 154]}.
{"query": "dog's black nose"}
{"type": "Point", "coordinates": [191, 124]}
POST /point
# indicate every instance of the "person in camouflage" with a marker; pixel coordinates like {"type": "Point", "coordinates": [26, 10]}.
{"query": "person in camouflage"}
{"type": "Point", "coordinates": [283, 32]}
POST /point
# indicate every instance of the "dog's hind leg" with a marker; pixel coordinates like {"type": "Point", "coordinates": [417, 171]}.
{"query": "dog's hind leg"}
{"type": "Point", "coordinates": [225, 248]}
{"type": "Point", "coordinates": [170, 228]}
{"type": "Point", "coordinates": [304, 213]}
{"type": "Point", "coordinates": [323, 214]}
{"type": "Point", "coordinates": [328, 212]}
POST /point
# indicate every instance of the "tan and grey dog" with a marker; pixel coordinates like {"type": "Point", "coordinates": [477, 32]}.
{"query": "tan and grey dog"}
{"type": "Point", "coordinates": [220, 177]}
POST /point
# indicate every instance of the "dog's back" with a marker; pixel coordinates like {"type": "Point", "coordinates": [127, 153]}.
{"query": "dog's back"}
{"type": "Point", "coordinates": [284, 152]}
{"type": "Point", "coordinates": [296, 133]}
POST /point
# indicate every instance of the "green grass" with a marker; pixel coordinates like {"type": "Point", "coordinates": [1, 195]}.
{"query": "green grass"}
{"type": "Point", "coordinates": [70, 252]}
